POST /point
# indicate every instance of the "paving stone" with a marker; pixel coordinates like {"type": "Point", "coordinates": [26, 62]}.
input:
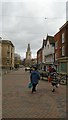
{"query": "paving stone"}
{"type": "Point", "coordinates": [18, 102]}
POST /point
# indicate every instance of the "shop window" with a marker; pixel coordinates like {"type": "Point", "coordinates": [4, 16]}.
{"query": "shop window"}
{"type": "Point", "coordinates": [63, 67]}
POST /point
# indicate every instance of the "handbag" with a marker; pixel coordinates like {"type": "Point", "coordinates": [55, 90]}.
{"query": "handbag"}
{"type": "Point", "coordinates": [30, 85]}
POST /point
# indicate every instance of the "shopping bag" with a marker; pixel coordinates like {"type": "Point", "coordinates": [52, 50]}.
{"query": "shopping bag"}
{"type": "Point", "coordinates": [58, 85]}
{"type": "Point", "coordinates": [30, 85]}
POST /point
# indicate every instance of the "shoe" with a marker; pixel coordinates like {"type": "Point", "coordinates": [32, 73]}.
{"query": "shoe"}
{"type": "Point", "coordinates": [56, 86]}
{"type": "Point", "coordinates": [53, 90]}
{"type": "Point", "coordinates": [34, 91]}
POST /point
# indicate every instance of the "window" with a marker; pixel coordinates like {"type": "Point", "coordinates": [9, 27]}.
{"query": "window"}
{"type": "Point", "coordinates": [8, 61]}
{"type": "Point", "coordinates": [63, 67]}
{"type": "Point", "coordinates": [63, 38]}
{"type": "Point", "coordinates": [48, 46]}
{"type": "Point", "coordinates": [56, 44]}
{"type": "Point", "coordinates": [63, 51]}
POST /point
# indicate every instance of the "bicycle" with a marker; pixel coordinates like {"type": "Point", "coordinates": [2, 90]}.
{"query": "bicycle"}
{"type": "Point", "coordinates": [63, 80]}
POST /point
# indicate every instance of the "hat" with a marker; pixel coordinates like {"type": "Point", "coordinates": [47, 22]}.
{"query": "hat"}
{"type": "Point", "coordinates": [35, 68]}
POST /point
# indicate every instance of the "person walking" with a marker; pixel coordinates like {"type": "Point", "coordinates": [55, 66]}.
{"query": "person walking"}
{"type": "Point", "coordinates": [49, 73]}
{"type": "Point", "coordinates": [52, 78]}
{"type": "Point", "coordinates": [55, 82]}
{"type": "Point", "coordinates": [50, 69]}
{"type": "Point", "coordinates": [34, 77]}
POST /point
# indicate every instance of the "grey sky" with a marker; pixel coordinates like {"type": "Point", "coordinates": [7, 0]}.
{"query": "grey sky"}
{"type": "Point", "coordinates": [23, 22]}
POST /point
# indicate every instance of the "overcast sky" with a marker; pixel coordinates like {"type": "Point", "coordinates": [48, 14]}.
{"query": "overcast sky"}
{"type": "Point", "coordinates": [23, 22]}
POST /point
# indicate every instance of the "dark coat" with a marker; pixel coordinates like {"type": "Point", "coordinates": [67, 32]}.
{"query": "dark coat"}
{"type": "Point", "coordinates": [35, 77]}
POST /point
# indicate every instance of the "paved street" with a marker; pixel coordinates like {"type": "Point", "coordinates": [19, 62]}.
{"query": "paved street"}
{"type": "Point", "coordinates": [18, 102]}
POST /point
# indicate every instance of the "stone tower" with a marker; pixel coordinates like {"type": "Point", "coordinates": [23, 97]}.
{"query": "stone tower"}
{"type": "Point", "coordinates": [28, 56]}
{"type": "Point", "coordinates": [28, 53]}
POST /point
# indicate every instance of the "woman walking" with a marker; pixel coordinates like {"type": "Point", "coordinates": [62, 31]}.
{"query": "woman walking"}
{"type": "Point", "coordinates": [34, 77]}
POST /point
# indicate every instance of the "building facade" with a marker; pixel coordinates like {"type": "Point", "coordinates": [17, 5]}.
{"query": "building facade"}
{"type": "Point", "coordinates": [61, 48]}
{"type": "Point", "coordinates": [49, 50]}
{"type": "Point", "coordinates": [43, 51]}
{"type": "Point", "coordinates": [39, 56]}
{"type": "Point", "coordinates": [7, 54]}
{"type": "Point", "coordinates": [64, 39]}
{"type": "Point", "coordinates": [58, 51]}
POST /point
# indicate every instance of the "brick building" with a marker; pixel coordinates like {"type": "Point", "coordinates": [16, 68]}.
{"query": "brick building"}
{"type": "Point", "coordinates": [61, 48]}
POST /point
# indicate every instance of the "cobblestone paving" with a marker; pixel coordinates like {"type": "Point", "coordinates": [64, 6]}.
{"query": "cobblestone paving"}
{"type": "Point", "coordinates": [19, 102]}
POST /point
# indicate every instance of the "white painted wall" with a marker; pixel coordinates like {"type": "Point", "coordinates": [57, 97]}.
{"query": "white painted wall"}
{"type": "Point", "coordinates": [49, 52]}
{"type": "Point", "coordinates": [50, 58]}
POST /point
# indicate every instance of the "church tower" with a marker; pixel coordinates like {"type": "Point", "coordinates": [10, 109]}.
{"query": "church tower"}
{"type": "Point", "coordinates": [28, 53]}
{"type": "Point", "coordinates": [28, 56]}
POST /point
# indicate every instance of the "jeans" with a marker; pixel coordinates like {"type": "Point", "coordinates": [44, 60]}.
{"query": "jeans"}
{"type": "Point", "coordinates": [34, 88]}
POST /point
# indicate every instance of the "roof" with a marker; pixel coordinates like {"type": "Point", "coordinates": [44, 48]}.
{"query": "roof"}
{"type": "Point", "coordinates": [51, 39]}
{"type": "Point", "coordinates": [44, 43]}
{"type": "Point", "coordinates": [64, 25]}
{"type": "Point", "coordinates": [39, 50]}
{"type": "Point", "coordinates": [7, 42]}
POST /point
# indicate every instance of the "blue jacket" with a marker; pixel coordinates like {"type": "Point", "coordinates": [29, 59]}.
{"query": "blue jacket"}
{"type": "Point", "coordinates": [35, 77]}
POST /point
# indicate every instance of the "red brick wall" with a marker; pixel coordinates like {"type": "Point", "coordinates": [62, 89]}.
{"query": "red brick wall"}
{"type": "Point", "coordinates": [65, 31]}
{"type": "Point", "coordinates": [58, 49]}
{"type": "Point", "coordinates": [58, 38]}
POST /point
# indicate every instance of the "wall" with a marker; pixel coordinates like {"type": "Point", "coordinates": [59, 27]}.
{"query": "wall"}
{"type": "Point", "coordinates": [57, 45]}
{"type": "Point", "coordinates": [39, 56]}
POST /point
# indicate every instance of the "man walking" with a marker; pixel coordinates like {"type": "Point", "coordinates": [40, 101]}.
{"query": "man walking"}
{"type": "Point", "coordinates": [34, 77]}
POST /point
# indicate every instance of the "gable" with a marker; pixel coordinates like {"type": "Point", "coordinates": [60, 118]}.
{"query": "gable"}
{"type": "Point", "coordinates": [48, 43]}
